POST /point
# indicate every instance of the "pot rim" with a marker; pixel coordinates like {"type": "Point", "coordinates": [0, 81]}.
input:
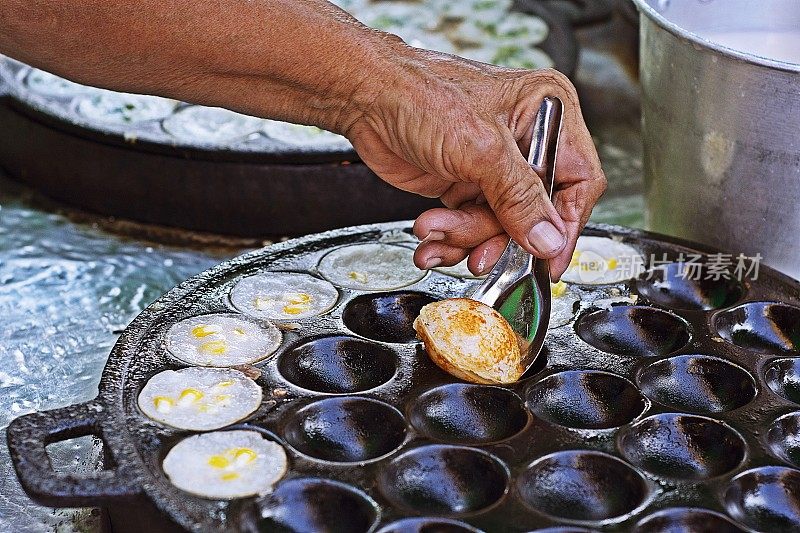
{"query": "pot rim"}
{"type": "Point", "coordinates": [652, 13]}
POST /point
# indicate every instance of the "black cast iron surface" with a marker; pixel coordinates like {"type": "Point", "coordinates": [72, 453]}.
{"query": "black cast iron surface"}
{"type": "Point", "coordinates": [679, 410]}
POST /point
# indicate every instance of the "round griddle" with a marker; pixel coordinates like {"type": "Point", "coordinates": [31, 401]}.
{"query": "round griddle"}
{"type": "Point", "coordinates": [676, 411]}
{"type": "Point", "coordinates": [258, 187]}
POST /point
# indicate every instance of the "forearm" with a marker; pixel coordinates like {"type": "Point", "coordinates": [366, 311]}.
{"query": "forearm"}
{"type": "Point", "coordinates": [303, 61]}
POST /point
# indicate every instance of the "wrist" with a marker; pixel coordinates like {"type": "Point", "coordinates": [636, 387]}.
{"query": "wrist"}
{"type": "Point", "coordinates": [378, 72]}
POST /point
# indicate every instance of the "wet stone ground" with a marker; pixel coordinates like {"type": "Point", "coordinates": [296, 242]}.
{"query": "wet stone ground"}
{"type": "Point", "coordinates": [66, 291]}
{"type": "Point", "coordinates": [68, 288]}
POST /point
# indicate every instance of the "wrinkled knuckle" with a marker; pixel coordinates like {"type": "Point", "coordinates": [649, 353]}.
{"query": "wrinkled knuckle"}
{"type": "Point", "coordinates": [516, 201]}
{"type": "Point", "coordinates": [599, 183]}
{"type": "Point", "coordinates": [602, 184]}
{"type": "Point", "coordinates": [558, 82]}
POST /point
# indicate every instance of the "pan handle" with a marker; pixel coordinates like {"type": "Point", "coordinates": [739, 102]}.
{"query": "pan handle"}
{"type": "Point", "coordinates": [28, 437]}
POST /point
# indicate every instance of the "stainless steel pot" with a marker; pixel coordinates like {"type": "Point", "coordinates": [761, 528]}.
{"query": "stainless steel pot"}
{"type": "Point", "coordinates": [721, 127]}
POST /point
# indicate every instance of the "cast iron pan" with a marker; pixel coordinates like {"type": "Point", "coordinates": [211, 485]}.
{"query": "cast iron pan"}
{"type": "Point", "coordinates": [677, 413]}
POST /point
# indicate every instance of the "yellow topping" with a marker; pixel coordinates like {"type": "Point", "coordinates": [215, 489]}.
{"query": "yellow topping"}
{"type": "Point", "coordinates": [219, 461]}
{"type": "Point", "coordinates": [244, 456]}
{"type": "Point", "coordinates": [295, 309]}
{"type": "Point", "coordinates": [576, 255]}
{"type": "Point", "coordinates": [298, 303]}
{"type": "Point", "coordinates": [204, 330]}
{"type": "Point", "coordinates": [358, 276]}
{"type": "Point", "coordinates": [192, 394]}
{"type": "Point", "coordinates": [239, 331]}
{"type": "Point", "coordinates": [300, 298]}
{"type": "Point", "coordinates": [163, 403]}
{"type": "Point", "coordinates": [226, 383]}
{"type": "Point", "coordinates": [232, 457]}
{"type": "Point", "coordinates": [214, 347]}
{"type": "Point", "coordinates": [612, 264]}
{"type": "Point", "coordinates": [558, 289]}
{"type": "Point", "coordinates": [219, 398]}
{"type": "Point", "coordinates": [229, 476]}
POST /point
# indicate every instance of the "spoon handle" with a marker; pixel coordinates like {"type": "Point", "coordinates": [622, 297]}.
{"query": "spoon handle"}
{"type": "Point", "coordinates": [516, 263]}
{"type": "Point", "coordinates": [544, 142]}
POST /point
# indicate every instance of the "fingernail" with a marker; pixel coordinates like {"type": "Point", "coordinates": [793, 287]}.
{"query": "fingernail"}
{"type": "Point", "coordinates": [434, 235]}
{"type": "Point", "coordinates": [433, 262]}
{"type": "Point", "coordinates": [545, 238]}
{"type": "Point", "coordinates": [483, 268]}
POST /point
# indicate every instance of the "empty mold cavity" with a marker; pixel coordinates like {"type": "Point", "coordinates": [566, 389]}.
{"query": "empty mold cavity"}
{"type": "Point", "coordinates": [440, 479]}
{"type": "Point", "coordinates": [633, 330]}
{"type": "Point", "coordinates": [761, 327]}
{"type": "Point", "coordinates": [468, 414]}
{"type": "Point", "coordinates": [586, 399]}
{"type": "Point", "coordinates": [582, 485]}
{"type": "Point", "coordinates": [697, 384]}
{"type": "Point", "coordinates": [783, 438]}
{"type": "Point", "coordinates": [672, 286]}
{"type": "Point", "coordinates": [338, 364]}
{"type": "Point", "coordinates": [428, 525]}
{"type": "Point", "coordinates": [319, 505]}
{"type": "Point", "coordinates": [346, 429]}
{"type": "Point", "coordinates": [765, 499]}
{"type": "Point", "coordinates": [783, 377]}
{"type": "Point", "coordinates": [682, 446]}
{"type": "Point", "coordinates": [686, 519]}
{"type": "Point", "coordinates": [387, 317]}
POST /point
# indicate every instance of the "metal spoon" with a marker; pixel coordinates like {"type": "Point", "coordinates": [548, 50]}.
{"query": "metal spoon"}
{"type": "Point", "coordinates": [519, 284]}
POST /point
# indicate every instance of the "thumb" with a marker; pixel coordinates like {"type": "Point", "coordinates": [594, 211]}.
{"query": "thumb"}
{"type": "Point", "coordinates": [517, 196]}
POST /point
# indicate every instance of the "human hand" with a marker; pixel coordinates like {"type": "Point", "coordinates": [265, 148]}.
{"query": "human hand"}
{"type": "Point", "coordinates": [456, 130]}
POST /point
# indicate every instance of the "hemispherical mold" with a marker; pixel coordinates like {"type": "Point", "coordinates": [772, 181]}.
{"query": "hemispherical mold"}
{"type": "Point", "coordinates": [586, 399]}
{"type": "Point", "coordinates": [763, 327]}
{"type": "Point", "coordinates": [697, 384]}
{"type": "Point", "coordinates": [783, 378]}
{"type": "Point", "coordinates": [674, 287]}
{"type": "Point", "coordinates": [283, 295]}
{"type": "Point", "coordinates": [371, 266]}
{"type": "Point", "coordinates": [428, 525]}
{"type": "Point", "coordinates": [783, 438]}
{"type": "Point", "coordinates": [633, 330]}
{"type": "Point", "coordinates": [345, 429]}
{"type": "Point", "coordinates": [602, 260]}
{"type": "Point", "coordinates": [468, 414]}
{"type": "Point", "coordinates": [583, 486]}
{"type": "Point", "coordinates": [199, 398]}
{"type": "Point", "coordinates": [682, 446]}
{"type": "Point", "coordinates": [222, 340]}
{"type": "Point", "coordinates": [444, 480]}
{"type": "Point", "coordinates": [765, 499]}
{"type": "Point", "coordinates": [387, 317]}
{"type": "Point", "coordinates": [686, 519]}
{"type": "Point", "coordinates": [338, 364]}
{"type": "Point", "coordinates": [311, 504]}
